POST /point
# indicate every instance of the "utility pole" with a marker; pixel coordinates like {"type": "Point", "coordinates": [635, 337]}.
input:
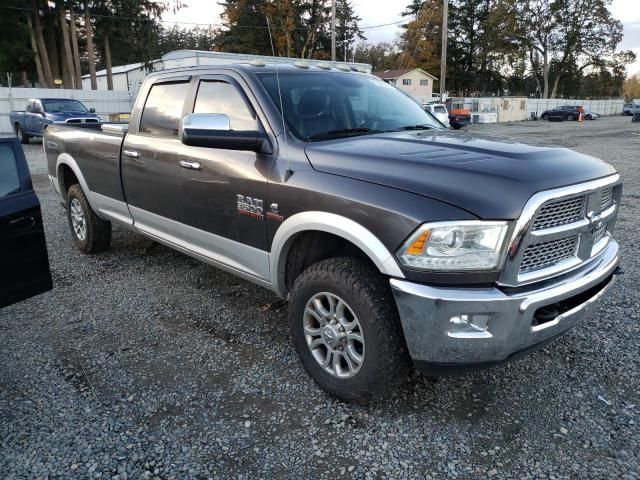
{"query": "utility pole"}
{"type": "Point", "coordinates": [443, 60]}
{"type": "Point", "coordinates": [333, 30]}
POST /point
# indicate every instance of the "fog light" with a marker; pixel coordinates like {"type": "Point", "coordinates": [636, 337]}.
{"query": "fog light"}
{"type": "Point", "coordinates": [473, 325]}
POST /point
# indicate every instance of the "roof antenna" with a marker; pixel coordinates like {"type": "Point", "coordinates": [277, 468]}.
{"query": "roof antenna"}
{"type": "Point", "coordinates": [288, 172]}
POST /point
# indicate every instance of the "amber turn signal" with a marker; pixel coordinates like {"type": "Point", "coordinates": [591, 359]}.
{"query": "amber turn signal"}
{"type": "Point", "coordinates": [417, 247]}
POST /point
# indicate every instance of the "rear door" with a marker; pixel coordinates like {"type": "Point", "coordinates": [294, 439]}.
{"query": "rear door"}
{"type": "Point", "coordinates": [151, 173]}
{"type": "Point", "coordinates": [24, 264]}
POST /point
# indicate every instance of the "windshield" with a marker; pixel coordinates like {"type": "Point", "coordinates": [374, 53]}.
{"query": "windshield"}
{"type": "Point", "coordinates": [323, 105]}
{"type": "Point", "coordinates": [55, 106]}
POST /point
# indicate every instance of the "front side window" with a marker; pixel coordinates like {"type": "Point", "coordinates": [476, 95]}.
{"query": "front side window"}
{"type": "Point", "coordinates": [406, 81]}
{"type": "Point", "coordinates": [322, 105]}
{"type": "Point", "coordinates": [163, 109]}
{"type": "Point", "coordinates": [62, 105]}
{"type": "Point", "coordinates": [9, 177]}
{"type": "Point", "coordinates": [222, 97]}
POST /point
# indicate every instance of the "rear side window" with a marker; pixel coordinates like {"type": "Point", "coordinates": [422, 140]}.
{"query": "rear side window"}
{"type": "Point", "coordinates": [222, 97]}
{"type": "Point", "coordinates": [163, 110]}
{"type": "Point", "coordinates": [9, 177]}
{"type": "Point", "coordinates": [440, 109]}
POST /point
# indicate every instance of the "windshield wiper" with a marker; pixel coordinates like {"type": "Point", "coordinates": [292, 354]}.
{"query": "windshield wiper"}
{"type": "Point", "coordinates": [343, 132]}
{"type": "Point", "coordinates": [424, 126]}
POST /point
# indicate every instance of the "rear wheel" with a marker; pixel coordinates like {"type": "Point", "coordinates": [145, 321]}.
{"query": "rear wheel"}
{"type": "Point", "coordinates": [23, 137]}
{"type": "Point", "coordinates": [570, 117]}
{"type": "Point", "coordinates": [345, 327]}
{"type": "Point", "coordinates": [90, 233]}
{"type": "Point", "coordinates": [545, 116]}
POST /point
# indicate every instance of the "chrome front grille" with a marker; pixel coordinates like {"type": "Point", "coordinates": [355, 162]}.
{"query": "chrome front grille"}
{"type": "Point", "coordinates": [600, 232]}
{"type": "Point", "coordinates": [560, 212]}
{"type": "Point", "coordinates": [547, 254]}
{"type": "Point", "coordinates": [559, 230]}
{"type": "Point", "coordinates": [607, 199]}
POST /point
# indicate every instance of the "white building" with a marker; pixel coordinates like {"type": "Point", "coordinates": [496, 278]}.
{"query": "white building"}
{"type": "Point", "coordinates": [125, 77]}
{"type": "Point", "coordinates": [414, 81]}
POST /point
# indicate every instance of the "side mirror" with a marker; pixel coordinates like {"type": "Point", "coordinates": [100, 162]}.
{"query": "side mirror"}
{"type": "Point", "coordinates": [213, 130]}
{"type": "Point", "coordinates": [92, 110]}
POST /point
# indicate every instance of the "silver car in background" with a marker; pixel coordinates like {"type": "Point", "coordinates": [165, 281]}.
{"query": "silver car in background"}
{"type": "Point", "coordinates": [439, 111]}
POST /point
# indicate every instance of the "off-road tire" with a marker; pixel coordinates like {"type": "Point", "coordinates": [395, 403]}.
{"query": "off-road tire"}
{"type": "Point", "coordinates": [23, 137]}
{"type": "Point", "coordinates": [98, 231]}
{"type": "Point", "coordinates": [367, 292]}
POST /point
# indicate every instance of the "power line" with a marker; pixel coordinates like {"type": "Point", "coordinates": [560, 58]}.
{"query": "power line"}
{"type": "Point", "coordinates": [175, 22]}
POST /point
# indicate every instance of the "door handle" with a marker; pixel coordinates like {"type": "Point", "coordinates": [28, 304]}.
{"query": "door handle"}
{"type": "Point", "coordinates": [190, 165]}
{"type": "Point", "coordinates": [131, 153]}
{"type": "Point", "coordinates": [22, 222]}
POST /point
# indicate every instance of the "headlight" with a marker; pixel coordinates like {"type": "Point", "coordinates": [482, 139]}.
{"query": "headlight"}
{"type": "Point", "coordinates": [454, 246]}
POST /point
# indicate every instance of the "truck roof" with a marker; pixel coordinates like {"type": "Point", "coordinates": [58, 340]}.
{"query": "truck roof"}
{"type": "Point", "coordinates": [256, 67]}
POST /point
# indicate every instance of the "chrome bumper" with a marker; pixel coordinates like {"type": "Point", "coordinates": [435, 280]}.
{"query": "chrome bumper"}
{"type": "Point", "coordinates": [433, 318]}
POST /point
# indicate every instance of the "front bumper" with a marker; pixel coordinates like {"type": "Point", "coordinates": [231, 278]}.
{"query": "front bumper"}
{"type": "Point", "coordinates": [437, 338]}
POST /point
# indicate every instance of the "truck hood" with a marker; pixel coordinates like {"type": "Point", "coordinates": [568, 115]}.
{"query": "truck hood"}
{"type": "Point", "coordinates": [66, 115]}
{"type": "Point", "coordinates": [491, 177]}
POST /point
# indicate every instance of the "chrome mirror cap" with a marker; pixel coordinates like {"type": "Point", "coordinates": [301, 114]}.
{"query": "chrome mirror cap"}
{"type": "Point", "coordinates": [206, 121]}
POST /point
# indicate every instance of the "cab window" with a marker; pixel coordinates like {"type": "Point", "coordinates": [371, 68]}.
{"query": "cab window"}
{"type": "Point", "coordinates": [222, 97]}
{"type": "Point", "coordinates": [9, 177]}
{"type": "Point", "coordinates": [162, 111]}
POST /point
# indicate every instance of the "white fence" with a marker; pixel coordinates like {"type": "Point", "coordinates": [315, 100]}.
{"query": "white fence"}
{"type": "Point", "coordinates": [515, 109]}
{"type": "Point", "coordinates": [105, 102]}
{"type": "Point", "coordinates": [603, 107]}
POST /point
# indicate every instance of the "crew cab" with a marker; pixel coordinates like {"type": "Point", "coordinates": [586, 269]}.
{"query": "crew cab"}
{"type": "Point", "coordinates": [397, 242]}
{"type": "Point", "coordinates": [41, 112]}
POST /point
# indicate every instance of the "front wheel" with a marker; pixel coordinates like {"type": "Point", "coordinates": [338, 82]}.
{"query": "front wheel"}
{"type": "Point", "coordinates": [345, 327]}
{"type": "Point", "coordinates": [90, 233]}
{"type": "Point", "coordinates": [23, 137]}
{"type": "Point", "coordinates": [545, 116]}
{"type": "Point", "coordinates": [570, 118]}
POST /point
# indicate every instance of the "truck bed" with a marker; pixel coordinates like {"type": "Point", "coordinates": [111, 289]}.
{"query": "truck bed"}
{"type": "Point", "coordinates": [96, 152]}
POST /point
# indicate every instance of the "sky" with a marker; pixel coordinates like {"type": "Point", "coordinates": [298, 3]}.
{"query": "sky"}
{"type": "Point", "coordinates": [377, 12]}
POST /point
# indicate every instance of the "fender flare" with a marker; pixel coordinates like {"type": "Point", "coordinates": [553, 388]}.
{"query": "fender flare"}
{"type": "Point", "coordinates": [69, 161]}
{"type": "Point", "coordinates": [337, 225]}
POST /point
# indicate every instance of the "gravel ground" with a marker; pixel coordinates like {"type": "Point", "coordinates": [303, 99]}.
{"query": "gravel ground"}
{"type": "Point", "coordinates": [144, 363]}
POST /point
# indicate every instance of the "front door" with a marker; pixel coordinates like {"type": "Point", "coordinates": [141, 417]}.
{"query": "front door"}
{"type": "Point", "coordinates": [33, 119]}
{"type": "Point", "coordinates": [225, 191]}
{"type": "Point", "coordinates": [24, 264]}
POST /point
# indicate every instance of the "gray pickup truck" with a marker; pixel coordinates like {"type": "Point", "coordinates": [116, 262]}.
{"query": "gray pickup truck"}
{"type": "Point", "coordinates": [398, 243]}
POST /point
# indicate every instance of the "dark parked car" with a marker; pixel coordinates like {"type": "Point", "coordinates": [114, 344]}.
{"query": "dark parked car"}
{"type": "Point", "coordinates": [40, 112]}
{"type": "Point", "coordinates": [24, 270]}
{"type": "Point", "coordinates": [564, 112]}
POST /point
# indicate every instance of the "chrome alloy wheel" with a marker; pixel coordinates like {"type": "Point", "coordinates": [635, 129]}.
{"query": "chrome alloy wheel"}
{"type": "Point", "coordinates": [77, 220]}
{"type": "Point", "coordinates": [334, 335]}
